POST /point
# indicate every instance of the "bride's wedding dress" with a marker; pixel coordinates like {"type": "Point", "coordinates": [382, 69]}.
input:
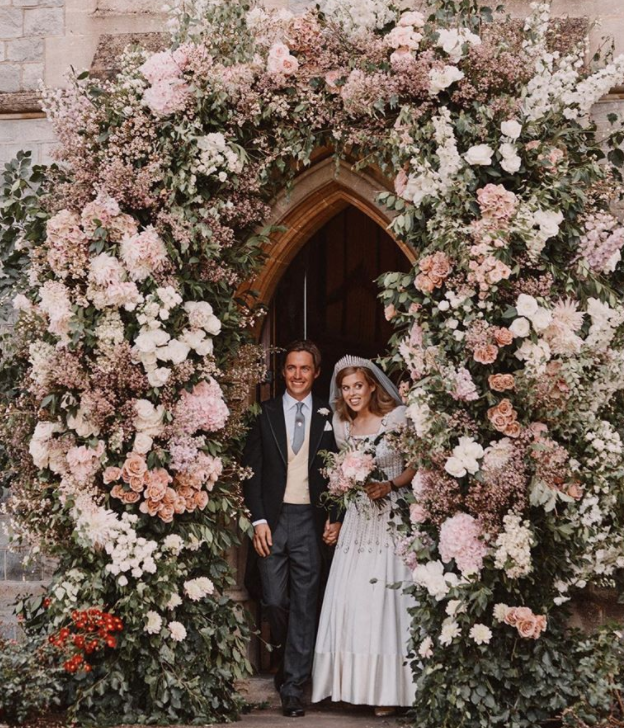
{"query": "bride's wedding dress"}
{"type": "Point", "coordinates": [364, 627]}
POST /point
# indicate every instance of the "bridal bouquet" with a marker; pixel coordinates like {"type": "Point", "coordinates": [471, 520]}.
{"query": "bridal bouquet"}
{"type": "Point", "coordinates": [350, 470]}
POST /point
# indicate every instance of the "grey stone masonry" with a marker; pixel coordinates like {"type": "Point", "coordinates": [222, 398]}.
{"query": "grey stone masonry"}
{"type": "Point", "coordinates": [43, 22]}
{"type": "Point", "coordinates": [25, 49]}
{"type": "Point", "coordinates": [11, 23]}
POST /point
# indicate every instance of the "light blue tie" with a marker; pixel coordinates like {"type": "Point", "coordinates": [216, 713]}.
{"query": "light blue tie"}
{"type": "Point", "coordinates": [299, 433]}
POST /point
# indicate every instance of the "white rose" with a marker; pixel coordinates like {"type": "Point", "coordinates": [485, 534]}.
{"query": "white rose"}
{"type": "Point", "coordinates": [173, 543]}
{"type": "Point", "coordinates": [142, 443]}
{"type": "Point", "coordinates": [147, 341]}
{"type": "Point", "coordinates": [205, 348]}
{"type": "Point", "coordinates": [123, 580]}
{"type": "Point", "coordinates": [479, 155]}
{"type": "Point", "coordinates": [455, 467]}
{"type": "Point", "coordinates": [541, 319]}
{"type": "Point", "coordinates": [526, 305]}
{"type": "Point", "coordinates": [511, 164]}
{"type": "Point", "coordinates": [158, 377]}
{"type": "Point", "coordinates": [520, 328]}
{"type": "Point", "coordinates": [403, 36]}
{"type": "Point", "coordinates": [212, 326]}
{"type": "Point", "coordinates": [38, 450]}
{"type": "Point", "coordinates": [193, 338]}
{"type": "Point", "coordinates": [511, 129]}
{"type": "Point", "coordinates": [149, 418]}
{"type": "Point", "coordinates": [548, 222]}
{"type": "Point", "coordinates": [178, 632]}
{"type": "Point", "coordinates": [443, 79]}
{"type": "Point", "coordinates": [154, 623]}
{"type": "Point", "coordinates": [176, 352]}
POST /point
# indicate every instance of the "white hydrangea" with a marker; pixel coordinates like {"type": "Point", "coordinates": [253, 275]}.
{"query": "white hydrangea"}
{"type": "Point", "coordinates": [513, 547]}
{"type": "Point", "coordinates": [216, 157]}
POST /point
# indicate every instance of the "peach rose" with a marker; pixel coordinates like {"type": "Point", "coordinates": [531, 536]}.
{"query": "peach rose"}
{"type": "Point", "coordinates": [201, 499]}
{"type": "Point", "coordinates": [503, 336]}
{"type": "Point", "coordinates": [155, 492]}
{"type": "Point", "coordinates": [111, 474]}
{"type": "Point", "coordinates": [501, 382]}
{"type": "Point", "coordinates": [512, 430]}
{"type": "Point", "coordinates": [134, 467]}
{"type": "Point", "coordinates": [179, 506]}
{"type": "Point", "coordinates": [165, 513]}
{"type": "Point", "coordinates": [499, 421]}
{"type": "Point", "coordinates": [441, 266]}
{"type": "Point", "coordinates": [137, 484]}
{"type": "Point", "coordinates": [485, 354]}
{"type": "Point", "coordinates": [424, 283]}
{"type": "Point", "coordinates": [150, 507]}
{"type": "Point", "coordinates": [131, 497]}
{"type": "Point", "coordinates": [170, 496]}
{"type": "Point", "coordinates": [538, 429]}
{"type": "Point", "coordinates": [531, 627]}
{"type": "Point", "coordinates": [117, 491]}
{"type": "Point", "coordinates": [574, 490]}
{"type": "Point", "coordinates": [506, 408]}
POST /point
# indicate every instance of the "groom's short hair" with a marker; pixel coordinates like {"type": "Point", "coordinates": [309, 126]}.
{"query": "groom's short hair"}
{"type": "Point", "coordinates": [304, 345]}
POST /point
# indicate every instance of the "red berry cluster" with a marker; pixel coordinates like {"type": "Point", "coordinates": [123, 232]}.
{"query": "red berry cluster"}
{"type": "Point", "coordinates": [91, 631]}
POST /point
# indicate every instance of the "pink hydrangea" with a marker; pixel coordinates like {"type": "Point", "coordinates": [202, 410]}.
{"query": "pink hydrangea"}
{"type": "Point", "coordinates": [202, 409]}
{"type": "Point", "coordinates": [460, 539]}
{"type": "Point", "coordinates": [143, 254]}
{"type": "Point", "coordinates": [167, 97]}
{"type": "Point", "coordinates": [162, 67]}
{"type": "Point", "coordinates": [496, 202]}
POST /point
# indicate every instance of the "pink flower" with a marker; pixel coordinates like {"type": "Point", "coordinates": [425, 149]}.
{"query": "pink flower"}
{"type": "Point", "coordinates": [201, 409]}
{"type": "Point", "coordinates": [166, 97]}
{"type": "Point", "coordinates": [280, 60]}
{"type": "Point", "coordinates": [84, 462]}
{"type": "Point", "coordinates": [497, 202]}
{"type": "Point", "coordinates": [143, 253]}
{"type": "Point", "coordinates": [418, 514]}
{"type": "Point", "coordinates": [111, 474]}
{"type": "Point", "coordinates": [331, 77]}
{"type": "Point", "coordinates": [400, 182]}
{"type": "Point", "coordinates": [163, 66]}
{"type": "Point", "coordinates": [358, 466]}
{"type": "Point", "coordinates": [390, 312]}
{"type": "Point", "coordinates": [460, 539]}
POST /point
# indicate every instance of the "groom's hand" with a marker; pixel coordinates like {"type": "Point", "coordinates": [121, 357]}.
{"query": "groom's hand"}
{"type": "Point", "coordinates": [262, 539]}
{"type": "Point", "coordinates": [331, 533]}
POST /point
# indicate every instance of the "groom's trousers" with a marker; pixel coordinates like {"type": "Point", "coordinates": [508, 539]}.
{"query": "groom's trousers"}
{"type": "Point", "coordinates": [290, 578]}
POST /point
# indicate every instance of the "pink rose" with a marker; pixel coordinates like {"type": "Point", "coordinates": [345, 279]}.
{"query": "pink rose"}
{"type": "Point", "coordinates": [134, 467]}
{"type": "Point", "coordinates": [400, 182]}
{"type": "Point", "coordinates": [111, 474]}
{"type": "Point", "coordinates": [485, 354]}
{"type": "Point", "coordinates": [418, 514]}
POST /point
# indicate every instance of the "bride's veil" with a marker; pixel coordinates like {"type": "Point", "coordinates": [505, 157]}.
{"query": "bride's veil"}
{"type": "Point", "coordinates": [356, 361]}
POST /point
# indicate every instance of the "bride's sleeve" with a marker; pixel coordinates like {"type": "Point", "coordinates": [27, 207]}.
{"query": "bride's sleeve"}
{"type": "Point", "coordinates": [340, 433]}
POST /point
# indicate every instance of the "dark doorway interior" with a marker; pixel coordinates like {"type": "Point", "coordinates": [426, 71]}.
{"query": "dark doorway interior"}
{"type": "Point", "coordinates": [329, 293]}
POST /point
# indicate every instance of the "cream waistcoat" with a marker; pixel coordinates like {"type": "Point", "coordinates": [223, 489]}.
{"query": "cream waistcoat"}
{"type": "Point", "coordinates": [297, 479]}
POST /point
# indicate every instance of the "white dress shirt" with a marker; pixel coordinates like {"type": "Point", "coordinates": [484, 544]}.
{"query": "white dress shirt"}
{"type": "Point", "coordinates": [290, 412]}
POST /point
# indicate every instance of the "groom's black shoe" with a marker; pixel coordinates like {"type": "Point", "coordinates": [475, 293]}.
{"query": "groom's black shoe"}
{"type": "Point", "coordinates": [292, 707]}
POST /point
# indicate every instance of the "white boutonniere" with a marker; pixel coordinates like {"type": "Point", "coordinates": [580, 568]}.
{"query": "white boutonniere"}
{"type": "Point", "coordinates": [328, 427]}
{"type": "Point", "coordinates": [323, 411]}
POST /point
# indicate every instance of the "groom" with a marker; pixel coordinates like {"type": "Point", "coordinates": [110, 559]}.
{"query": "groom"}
{"type": "Point", "coordinates": [290, 524]}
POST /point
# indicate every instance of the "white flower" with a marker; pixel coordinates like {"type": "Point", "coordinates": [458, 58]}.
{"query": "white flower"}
{"type": "Point", "coordinates": [174, 601]}
{"type": "Point", "coordinates": [511, 163]}
{"type": "Point", "coordinates": [323, 411]}
{"type": "Point", "coordinates": [176, 352]}
{"type": "Point", "coordinates": [455, 467]}
{"type": "Point", "coordinates": [481, 634]}
{"type": "Point", "coordinates": [201, 316]}
{"type": "Point", "coordinates": [548, 222]}
{"type": "Point", "coordinates": [197, 589]}
{"type": "Point", "coordinates": [450, 630]}
{"type": "Point", "coordinates": [443, 79]}
{"type": "Point", "coordinates": [148, 340]}
{"type": "Point", "coordinates": [500, 612]}
{"type": "Point", "coordinates": [431, 576]}
{"type": "Point", "coordinates": [452, 40]}
{"type": "Point", "coordinates": [403, 36]}
{"type": "Point", "coordinates": [413, 18]}
{"type": "Point", "coordinates": [149, 418]}
{"type": "Point", "coordinates": [425, 650]}
{"type": "Point", "coordinates": [526, 305]}
{"type": "Point", "coordinates": [178, 632]}
{"type": "Point", "coordinates": [122, 581]}
{"type": "Point", "coordinates": [142, 443]}
{"type": "Point", "coordinates": [154, 623]}
{"type": "Point", "coordinates": [479, 155]}
{"type": "Point", "coordinates": [511, 129]}
{"type": "Point", "coordinates": [454, 607]}
{"type": "Point", "coordinates": [21, 303]}
{"type": "Point", "coordinates": [520, 327]}
{"type": "Point", "coordinates": [541, 319]}
{"type": "Point", "coordinates": [158, 377]}
{"type": "Point", "coordinates": [173, 543]}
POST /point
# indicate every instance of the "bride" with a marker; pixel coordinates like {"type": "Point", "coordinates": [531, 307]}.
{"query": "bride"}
{"type": "Point", "coordinates": [361, 646]}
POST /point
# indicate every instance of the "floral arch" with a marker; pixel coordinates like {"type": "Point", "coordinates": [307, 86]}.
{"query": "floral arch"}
{"type": "Point", "coordinates": [133, 364]}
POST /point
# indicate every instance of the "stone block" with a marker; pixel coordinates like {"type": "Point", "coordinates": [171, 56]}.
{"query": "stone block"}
{"type": "Point", "coordinates": [10, 77]}
{"type": "Point", "coordinates": [3, 51]}
{"type": "Point", "coordinates": [38, 3]}
{"type": "Point", "coordinates": [11, 23]}
{"type": "Point", "coordinates": [25, 50]}
{"type": "Point", "coordinates": [43, 22]}
{"type": "Point", "coordinates": [32, 75]}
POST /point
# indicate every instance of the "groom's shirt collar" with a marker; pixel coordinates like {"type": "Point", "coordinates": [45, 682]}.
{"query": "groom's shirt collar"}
{"type": "Point", "coordinates": [290, 402]}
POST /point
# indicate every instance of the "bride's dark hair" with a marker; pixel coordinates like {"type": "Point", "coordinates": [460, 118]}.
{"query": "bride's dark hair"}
{"type": "Point", "coordinates": [381, 401]}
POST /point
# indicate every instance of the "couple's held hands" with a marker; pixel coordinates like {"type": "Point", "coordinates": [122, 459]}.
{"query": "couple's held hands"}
{"type": "Point", "coordinates": [376, 491]}
{"type": "Point", "coordinates": [331, 533]}
{"type": "Point", "coordinates": [262, 539]}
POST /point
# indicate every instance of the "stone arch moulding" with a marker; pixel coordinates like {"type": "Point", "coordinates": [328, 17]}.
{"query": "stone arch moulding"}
{"type": "Point", "coordinates": [317, 195]}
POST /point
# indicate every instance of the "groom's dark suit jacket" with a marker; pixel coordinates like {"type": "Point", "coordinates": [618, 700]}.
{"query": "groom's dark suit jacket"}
{"type": "Point", "coordinates": [266, 453]}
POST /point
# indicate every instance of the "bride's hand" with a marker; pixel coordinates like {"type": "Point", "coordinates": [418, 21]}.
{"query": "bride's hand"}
{"type": "Point", "coordinates": [375, 491]}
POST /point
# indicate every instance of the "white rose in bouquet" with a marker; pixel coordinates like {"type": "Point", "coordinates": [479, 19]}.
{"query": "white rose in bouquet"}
{"type": "Point", "coordinates": [511, 129]}
{"type": "Point", "coordinates": [444, 78]}
{"type": "Point", "coordinates": [479, 155]}
{"type": "Point", "coordinates": [526, 305]}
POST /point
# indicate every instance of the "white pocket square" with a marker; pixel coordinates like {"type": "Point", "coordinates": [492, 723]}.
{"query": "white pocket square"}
{"type": "Point", "coordinates": [328, 427]}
